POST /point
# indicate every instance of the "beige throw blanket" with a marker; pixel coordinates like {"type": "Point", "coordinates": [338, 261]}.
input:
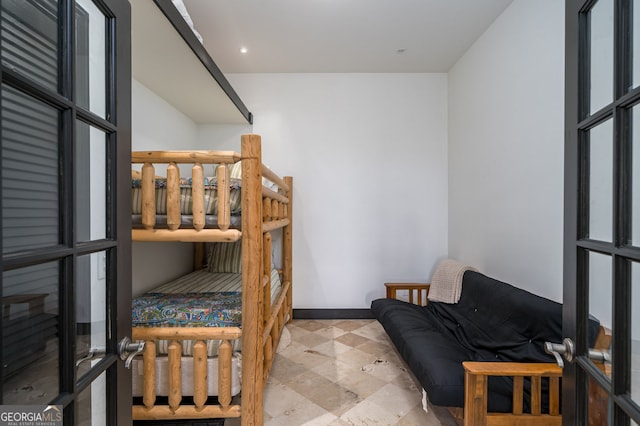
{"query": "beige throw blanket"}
{"type": "Point", "coordinates": [446, 282]}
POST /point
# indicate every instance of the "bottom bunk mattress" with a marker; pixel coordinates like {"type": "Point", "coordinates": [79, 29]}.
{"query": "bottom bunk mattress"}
{"type": "Point", "coordinates": [206, 309]}
{"type": "Point", "coordinates": [198, 299]}
{"type": "Point", "coordinates": [186, 365]}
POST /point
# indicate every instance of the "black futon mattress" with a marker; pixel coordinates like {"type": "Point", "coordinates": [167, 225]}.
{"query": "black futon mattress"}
{"type": "Point", "coordinates": [493, 321]}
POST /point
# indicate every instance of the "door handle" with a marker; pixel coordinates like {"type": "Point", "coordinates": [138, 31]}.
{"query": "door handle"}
{"type": "Point", "coordinates": [93, 353]}
{"type": "Point", "coordinates": [129, 350]}
{"type": "Point", "coordinates": [567, 350]}
{"type": "Point", "coordinates": [558, 350]}
{"type": "Point", "coordinates": [600, 355]}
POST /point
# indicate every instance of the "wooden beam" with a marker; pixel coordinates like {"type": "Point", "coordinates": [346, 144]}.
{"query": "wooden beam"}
{"type": "Point", "coordinates": [186, 235]}
{"type": "Point", "coordinates": [287, 248]}
{"type": "Point", "coordinates": [270, 175]}
{"type": "Point", "coordinates": [164, 412]}
{"type": "Point", "coordinates": [185, 157]}
{"type": "Point", "coordinates": [185, 333]}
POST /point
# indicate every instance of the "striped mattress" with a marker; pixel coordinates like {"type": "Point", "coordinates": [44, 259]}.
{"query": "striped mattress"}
{"type": "Point", "coordinates": [203, 281]}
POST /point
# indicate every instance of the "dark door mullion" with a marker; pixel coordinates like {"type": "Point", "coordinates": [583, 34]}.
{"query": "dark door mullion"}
{"type": "Point", "coordinates": [621, 269]}
{"type": "Point", "coordinates": [1, 237]}
{"type": "Point", "coordinates": [67, 149]}
{"type": "Point", "coordinates": [67, 335]}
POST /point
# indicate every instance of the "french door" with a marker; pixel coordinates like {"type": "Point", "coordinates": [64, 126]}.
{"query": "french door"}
{"type": "Point", "coordinates": [602, 208]}
{"type": "Point", "coordinates": [65, 123]}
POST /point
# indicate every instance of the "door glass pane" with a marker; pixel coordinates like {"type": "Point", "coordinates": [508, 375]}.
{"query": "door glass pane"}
{"type": "Point", "coordinates": [601, 84]}
{"type": "Point", "coordinates": [91, 57]}
{"type": "Point", "coordinates": [30, 39]}
{"type": "Point", "coordinates": [635, 176]}
{"type": "Point", "coordinates": [91, 314]}
{"type": "Point", "coordinates": [635, 331]}
{"type": "Point", "coordinates": [91, 182]}
{"type": "Point", "coordinates": [92, 406]}
{"type": "Point", "coordinates": [601, 181]}
{"type": "Point", "coordinates": [30, 217]}
{"type": "Point", "coordinates": [598, 407]}
{"type": "Point", "coordinates": [30, 334]}
{"type": "Point", "coordinates": [600, 289]}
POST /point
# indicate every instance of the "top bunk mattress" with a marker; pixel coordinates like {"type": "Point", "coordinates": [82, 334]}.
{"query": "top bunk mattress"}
{"type": "Point", "coordinates": [186, 199]}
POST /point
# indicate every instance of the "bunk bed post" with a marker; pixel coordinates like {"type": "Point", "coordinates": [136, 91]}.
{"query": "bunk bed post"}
{"type": "Point", "coordinates": [199, 256]}
{"type": "Point", "coordinates": [252, 316]}
{"type": "Point", "coordinates": [287, 247]}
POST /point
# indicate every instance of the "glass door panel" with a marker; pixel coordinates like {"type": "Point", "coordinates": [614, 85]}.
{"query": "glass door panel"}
{"type": "Point", "coordinates": [91, 315]}
{"type": "Point", "coordinates": [91, 81]}
{"type": "Point", "coordinates": [600, 181]}
{"type": "Point", "coordinates": [600, 288]}
{"type": "Point", "coordinates": [601, 55]}
{"type": "Point", "coordinates": [30, 173]}
{"type": "Point", "coordinates": [30, 334]}
{"type": "Point", "coordinates": [635, 29]}
{"type": "Point", "coordinates": [598, 407]}
{"type": "Point", "coordinates": [635, 331]}
{"type": "Point", "coordinates": [635, 174]}
{"type": "Point", "coordinates": [91, 182]}
{"type": "Point", "coordinates": [30, 39]}
{"type": "Point", "coordinates": [91, 408]}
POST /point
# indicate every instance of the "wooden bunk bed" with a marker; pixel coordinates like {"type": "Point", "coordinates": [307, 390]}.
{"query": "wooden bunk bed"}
{"type": "Point", "coordinates": [263, 210]}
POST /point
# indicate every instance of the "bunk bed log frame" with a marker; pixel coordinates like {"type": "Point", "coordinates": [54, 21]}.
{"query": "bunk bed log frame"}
{"type": "Point", "coordinates": [263, 319]}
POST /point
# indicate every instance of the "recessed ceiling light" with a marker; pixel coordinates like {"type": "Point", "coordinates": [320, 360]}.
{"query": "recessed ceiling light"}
{"type": "Point", "coordinates": [243, 50]}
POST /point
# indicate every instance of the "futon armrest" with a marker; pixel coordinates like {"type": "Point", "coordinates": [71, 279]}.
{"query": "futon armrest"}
{"type": "Point", "coordinates": [475, 390]}
{"type": "Point", "coordinates": [417, 291]}
{"type": "Point", "coordinates": [513, 369]}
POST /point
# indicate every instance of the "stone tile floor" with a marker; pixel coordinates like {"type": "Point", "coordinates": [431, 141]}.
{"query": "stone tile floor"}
{"type": "Point", "coordinates": [343, 372]}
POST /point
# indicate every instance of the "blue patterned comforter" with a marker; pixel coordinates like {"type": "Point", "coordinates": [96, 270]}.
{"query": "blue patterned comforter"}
{"type": "Point", "coordinates": [220, 309]}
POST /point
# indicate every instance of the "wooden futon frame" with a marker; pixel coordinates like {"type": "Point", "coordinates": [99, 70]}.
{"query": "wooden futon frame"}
{"type": "Point", "coordinates": [475, 411]}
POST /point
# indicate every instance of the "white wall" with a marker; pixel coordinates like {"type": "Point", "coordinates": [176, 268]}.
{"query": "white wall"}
{"type": "Point", "coordinates": [368, 153]}
{"type": "Point", "coordinates": [506, 139]}
{"type": "Point", "coordinates": [156, 125]}
{"type": "Point", "coordinates": [225, 137]}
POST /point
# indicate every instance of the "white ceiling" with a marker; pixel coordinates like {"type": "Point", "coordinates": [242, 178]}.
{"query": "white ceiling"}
{"type": "Point", "coordinates": [340, 35]}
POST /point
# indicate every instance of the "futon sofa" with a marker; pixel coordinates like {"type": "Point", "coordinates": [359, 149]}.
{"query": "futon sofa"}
{"type": "Point", "coordinates": [492, 321]}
